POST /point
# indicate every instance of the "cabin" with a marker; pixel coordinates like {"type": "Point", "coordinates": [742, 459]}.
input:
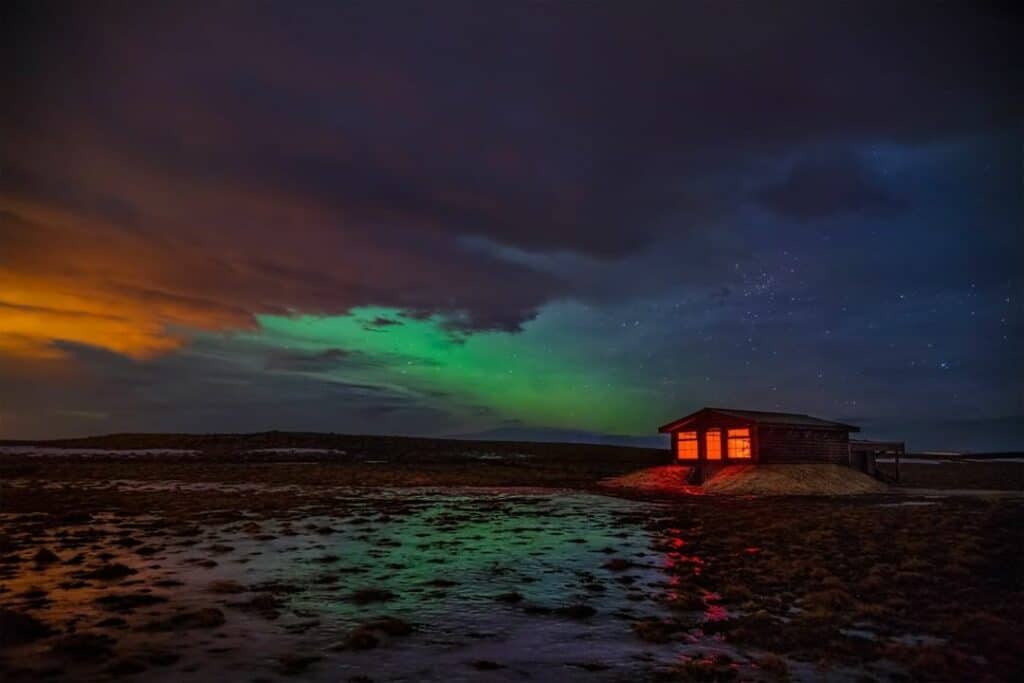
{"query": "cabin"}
{"type": "Point", "coordinates": [713, 437]}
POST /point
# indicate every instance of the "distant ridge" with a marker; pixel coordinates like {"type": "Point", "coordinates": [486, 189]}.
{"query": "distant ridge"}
{"type": "Point", "coordinates": [500, 439]}
{"type": "Point", "coordinates": [541, 435]}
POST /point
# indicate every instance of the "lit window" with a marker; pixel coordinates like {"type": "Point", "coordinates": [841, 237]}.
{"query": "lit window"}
{"type": "Point", "coordinates": [686, 446]}
{"type": "Point", "coordinates": [739, 443]}
{"type": "Point", "coordinates": [713, 441]}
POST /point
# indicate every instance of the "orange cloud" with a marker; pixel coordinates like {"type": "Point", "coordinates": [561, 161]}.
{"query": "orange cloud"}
{"type": "Point", "coordinates": [132, 249]}
{"type": "Point", "coordinates": [31, 330]}
{"type": "Point", "coordinates": [68, 280]}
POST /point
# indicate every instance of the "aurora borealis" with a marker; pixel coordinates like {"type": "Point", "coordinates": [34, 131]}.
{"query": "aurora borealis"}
{"type": "Point", "coordinates": [530, 375]}
{"type": "Point", "coordinates": [549, 220]}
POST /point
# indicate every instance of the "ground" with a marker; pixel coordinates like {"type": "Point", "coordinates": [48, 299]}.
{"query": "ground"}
{"type": "Point", "coordinates": [743, 480]}
{"type": "Point", "coordinates": [274, 565]}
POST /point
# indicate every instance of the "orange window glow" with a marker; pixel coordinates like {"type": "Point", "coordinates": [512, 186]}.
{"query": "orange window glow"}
{"type": "Point", "coordinates": [739, 443]}
{"type": "Point", "coordinates": [686, 446]}
{"type": "Point", "coordinates": [713, 441]}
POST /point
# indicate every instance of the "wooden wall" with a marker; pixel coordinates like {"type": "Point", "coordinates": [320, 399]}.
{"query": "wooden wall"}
{"type": "Point", "coordinates": [795, 444]}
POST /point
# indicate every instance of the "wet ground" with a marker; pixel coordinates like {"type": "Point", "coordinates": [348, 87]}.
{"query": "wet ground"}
{"type": "Point", "coordinates": [142, 578]}
{"type": "Point", "coordinates": [398, 585]}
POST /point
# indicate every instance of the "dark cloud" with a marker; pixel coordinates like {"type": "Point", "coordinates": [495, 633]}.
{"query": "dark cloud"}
{"type": "Point", "coordinates": [173, 170]}
{"type": "Point", "coordinates": [213, 386]}
{"type": "Point", "coordinates": [39, 187]}
{"type": "Point", "coordinates": [334, 359]}
{"type": "Point", "coordinates": [380, 323]}
{"type": "Point", "coordinates": [315, 361]}
{"type": "Point", "coordinates": [830, 184]}
{"type": "Point", "coordinates": [344, 166]}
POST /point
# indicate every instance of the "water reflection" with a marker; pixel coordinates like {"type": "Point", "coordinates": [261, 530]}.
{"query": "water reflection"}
{"type": "Point", "coordinates": [518, 579]}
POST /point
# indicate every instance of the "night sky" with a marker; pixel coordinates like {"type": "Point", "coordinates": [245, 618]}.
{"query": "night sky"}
{"type": "Point", "coordinates": [544, 220]}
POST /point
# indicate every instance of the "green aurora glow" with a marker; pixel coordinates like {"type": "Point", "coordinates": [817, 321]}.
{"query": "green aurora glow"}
{"type": "Point", "coordinates": [536, 376]}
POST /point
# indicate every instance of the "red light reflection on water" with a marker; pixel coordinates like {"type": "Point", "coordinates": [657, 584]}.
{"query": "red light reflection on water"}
{"type": "Point", "coordinates": [719, 667]}
{"type": "Point", "coordinates": [675, 561]}
{"type": "Point", "coordinates": [716, 613]}
{"type": "Point", "coordinates": [713, 611]}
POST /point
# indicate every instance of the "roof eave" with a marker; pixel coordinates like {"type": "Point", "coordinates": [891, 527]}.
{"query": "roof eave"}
{"type": "Point", "coordinates": [831, 427]}
{"type": "Point", "coordinates": [673, 426]}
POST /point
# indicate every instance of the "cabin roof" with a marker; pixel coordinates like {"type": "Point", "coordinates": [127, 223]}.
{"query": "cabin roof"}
{"type": "Point", "coordinates": [765, 418]}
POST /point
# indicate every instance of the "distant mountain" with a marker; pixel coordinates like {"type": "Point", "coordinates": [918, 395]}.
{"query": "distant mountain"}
{"type": "Point", "coordinates": [543, 435]}
{"type": "Point", "coordinates": [507, 439]}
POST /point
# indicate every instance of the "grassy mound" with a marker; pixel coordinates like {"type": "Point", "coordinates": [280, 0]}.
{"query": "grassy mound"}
{"type": "Point", "coordinates": [664, 479]}
{"type": "Point", "coordinates": [793, 480]}
{"type": "Point", "coordinates": [752, 480]}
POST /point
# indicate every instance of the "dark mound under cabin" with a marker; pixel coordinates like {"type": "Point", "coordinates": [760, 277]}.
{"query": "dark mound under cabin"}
{"type": "Point", "coordinates": [713, 437]}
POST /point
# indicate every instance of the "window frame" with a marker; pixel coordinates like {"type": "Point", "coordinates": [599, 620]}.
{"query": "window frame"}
{"type": "Point", "coordinates": [680, 439]}
{"type": "Point", "coordinates": [745, 439]}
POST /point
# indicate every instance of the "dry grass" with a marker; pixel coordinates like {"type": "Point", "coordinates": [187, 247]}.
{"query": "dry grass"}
{"type": "Point", "coordinates": [525, 465]}
{"type": "Point", "coordinates": [667, 478]}
{"type": "Point", "coordinates": [798, 480]}
{"type": "Point", "coordinates": [794, 573]}
{"type": "Point", "coordinates": [746, 480]}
